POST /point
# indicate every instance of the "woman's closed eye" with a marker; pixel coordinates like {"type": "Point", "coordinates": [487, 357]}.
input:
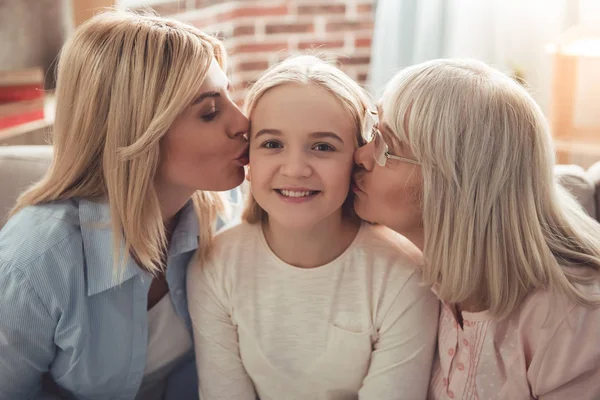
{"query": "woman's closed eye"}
{"type": "Point", "coordinates": [210, 115]}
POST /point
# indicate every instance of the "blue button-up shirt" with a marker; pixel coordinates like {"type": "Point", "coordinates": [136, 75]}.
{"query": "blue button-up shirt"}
{"type": "Point", "coordinates": [64, 312]}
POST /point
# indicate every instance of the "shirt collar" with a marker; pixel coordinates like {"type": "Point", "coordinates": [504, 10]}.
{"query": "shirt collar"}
{"type": "Point", "coordinates": [186, 234]}
{"type": "Point", "coordinates": [98, 244]}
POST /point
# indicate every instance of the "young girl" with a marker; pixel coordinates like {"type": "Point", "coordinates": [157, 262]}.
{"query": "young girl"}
{"type": "Point", "coordinates": [93, 261]}
{"type": "Point", "coordinates": [462, 165]}
{"type": "Point", "coordinates": [303, 301]}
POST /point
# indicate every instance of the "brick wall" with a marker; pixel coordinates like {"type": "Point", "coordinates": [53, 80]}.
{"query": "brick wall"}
{"type": "Point", "coordinates": [260, 33]}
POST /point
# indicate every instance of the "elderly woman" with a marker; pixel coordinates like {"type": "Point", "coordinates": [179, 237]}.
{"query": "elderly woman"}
{"type": "Point", "coordinates": [461, 164]}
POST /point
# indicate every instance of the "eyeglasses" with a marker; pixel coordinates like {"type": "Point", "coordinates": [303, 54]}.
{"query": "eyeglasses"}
{"type": "Point", "coordinates": [380, 149]}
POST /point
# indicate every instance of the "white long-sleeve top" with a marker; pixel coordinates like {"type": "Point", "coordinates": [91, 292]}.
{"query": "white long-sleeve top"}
{"type": "Point", "coordinates": [360, 327]}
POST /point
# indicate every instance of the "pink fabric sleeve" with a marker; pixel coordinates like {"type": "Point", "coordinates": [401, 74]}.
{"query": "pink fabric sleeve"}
{"type": "Point", "coordinates": [569, 365]}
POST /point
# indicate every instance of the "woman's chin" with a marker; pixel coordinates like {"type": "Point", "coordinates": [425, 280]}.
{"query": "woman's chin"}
{"type": "Point", "coordinates": [361, 209]}
{"type": "Point", "coordinates": [226, 182]}
{"type": "Point", "coordinates": [239, 178]}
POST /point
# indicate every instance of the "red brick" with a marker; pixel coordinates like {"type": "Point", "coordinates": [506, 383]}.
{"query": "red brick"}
{"type": "Point", "coordinates": [257, 47]}
{"type": "Point", "coordinates": [260, 11]}
{"type": "Point", "coordinates": [320, 44]}
{"type": "Point", "coordinates": [224, 16]}
{"type": "Point", "coordinates": [252, 66]}
{"type": "Point", "coordinates": [352, 26]}
{"type": "Point", "coordinates": [289, 28]}
{"type": "Point", "coordinates": [362, 42]}
{"type": "Point", "coordinates": [202, 23]}
{"type": "Point", "coordinates": [219, 34]}
{"type": "Point", "coordinates": [242, 30]}
{"type": "Point", "coordinates": [357, 60]}
{"type": "Point", "coordinates": [322, 9]}
{"type": "Point", "coordinates": [365, 8]}
{"type": "Point", "coordinates": [281, 55]}
{"type": "Point", "coordinates": [252, 12]}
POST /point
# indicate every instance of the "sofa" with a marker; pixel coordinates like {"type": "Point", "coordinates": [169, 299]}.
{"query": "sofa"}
{"type": "Point", "coordinates": [20, 166]}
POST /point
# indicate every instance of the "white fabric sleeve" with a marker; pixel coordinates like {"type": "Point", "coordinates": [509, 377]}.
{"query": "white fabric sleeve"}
{"type": "Point", "coordinates": [403, 352]}
{"type": "Point", "coordinates": [221, 373]}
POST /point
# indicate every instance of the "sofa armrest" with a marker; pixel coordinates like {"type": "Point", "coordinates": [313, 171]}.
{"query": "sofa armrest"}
{"type": "Point", "coordinates": [575, 179]}
{"type": "Point", "coordinates": [593, 174]}
{"type": "Point", "coordinates": [20, 166]}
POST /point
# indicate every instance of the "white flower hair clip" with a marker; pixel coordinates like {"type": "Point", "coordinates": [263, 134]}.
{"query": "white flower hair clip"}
{"type": "Point", "coordinates": [369, 121]}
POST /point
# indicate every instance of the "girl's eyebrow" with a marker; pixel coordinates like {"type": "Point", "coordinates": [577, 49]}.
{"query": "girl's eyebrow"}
{"type": "Point", "coordinates": [314, 135]}
{"type": "Point", "coordinates": [275, 132]}
{"type": "Point", "coordinates": [327, 135]}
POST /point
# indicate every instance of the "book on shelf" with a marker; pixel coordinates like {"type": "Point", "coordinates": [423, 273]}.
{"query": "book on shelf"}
{"type": "Point", "coordinates": [20, 112]}
{"type": "Point", "coordinates": [21, 96]}
{"type": "Point", "coordinates": [21, 84]}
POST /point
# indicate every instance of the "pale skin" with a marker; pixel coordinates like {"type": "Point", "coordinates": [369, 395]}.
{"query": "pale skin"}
{"type": "Point", "coordinates": [392, 195]}
{"type": "Point", "coordinates": [205, 149]}
{"type": "Point", "coordinates": [302, 140]}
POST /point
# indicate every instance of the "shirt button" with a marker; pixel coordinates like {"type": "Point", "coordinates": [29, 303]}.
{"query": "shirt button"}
{"type": "Point", "coordinates": [450, 394]}
{"type": "Point", "coordinates": [460, 366]}
{"type": "Point", "coordinates": [450, 352]}
{"type": "Point", "coordinates": [466, 342]}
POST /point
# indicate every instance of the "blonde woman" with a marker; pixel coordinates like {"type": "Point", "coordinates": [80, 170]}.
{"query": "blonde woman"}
{"type": "Point", "coordinates": [303, 301]}
{"type": "Point", "coordinates": [93, 260]}
{"type": "Point", "coordinates": [461, 163]}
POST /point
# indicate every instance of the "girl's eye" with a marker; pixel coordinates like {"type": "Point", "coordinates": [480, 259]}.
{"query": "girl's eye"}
{"type": "Point", "coordinates": [270, 144]}
{"type": "Point", "coordinates": [210, 116]}
{"type": "Point", "coordinates": [323, 147]}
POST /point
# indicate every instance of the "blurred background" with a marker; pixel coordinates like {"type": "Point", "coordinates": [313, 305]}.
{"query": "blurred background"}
{"type": "Point", "coordinates": [550, 46]}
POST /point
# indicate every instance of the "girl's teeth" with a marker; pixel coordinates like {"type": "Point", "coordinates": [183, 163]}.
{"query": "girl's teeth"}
{"type": "Point", "coordinates": [289, 193]}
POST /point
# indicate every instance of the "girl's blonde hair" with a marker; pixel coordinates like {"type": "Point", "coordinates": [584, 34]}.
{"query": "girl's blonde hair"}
{"type": "Point", "coordinates": [122, 80]}
{"type": "Point", "coordinates": [310, 70]}
{"type": "Point", "coordinates": [497, 226]}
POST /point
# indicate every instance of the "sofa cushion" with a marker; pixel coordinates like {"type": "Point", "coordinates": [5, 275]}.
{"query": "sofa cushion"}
{"type": "Point", "coordinates": [20, 166]}
{"type": "Point", "coordinates": [576, 181]}
{"type": "Point", "coordinates": [593, 174]}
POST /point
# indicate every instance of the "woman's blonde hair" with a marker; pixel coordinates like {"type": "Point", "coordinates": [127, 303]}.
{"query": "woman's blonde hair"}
{"type": "Point", "coordinates": [122, 80]}
{"type": "Point", "coordinates": [310, 70]}
{"type": "Point", "coordinates": [497, 226]}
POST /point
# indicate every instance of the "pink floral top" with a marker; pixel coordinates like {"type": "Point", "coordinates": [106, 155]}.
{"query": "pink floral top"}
{"type": "Point", "coordinates": [547, 349]}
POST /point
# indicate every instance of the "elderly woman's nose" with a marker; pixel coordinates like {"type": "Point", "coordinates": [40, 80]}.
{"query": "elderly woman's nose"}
{"type": "Point", "coordinates": [363, 157]}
